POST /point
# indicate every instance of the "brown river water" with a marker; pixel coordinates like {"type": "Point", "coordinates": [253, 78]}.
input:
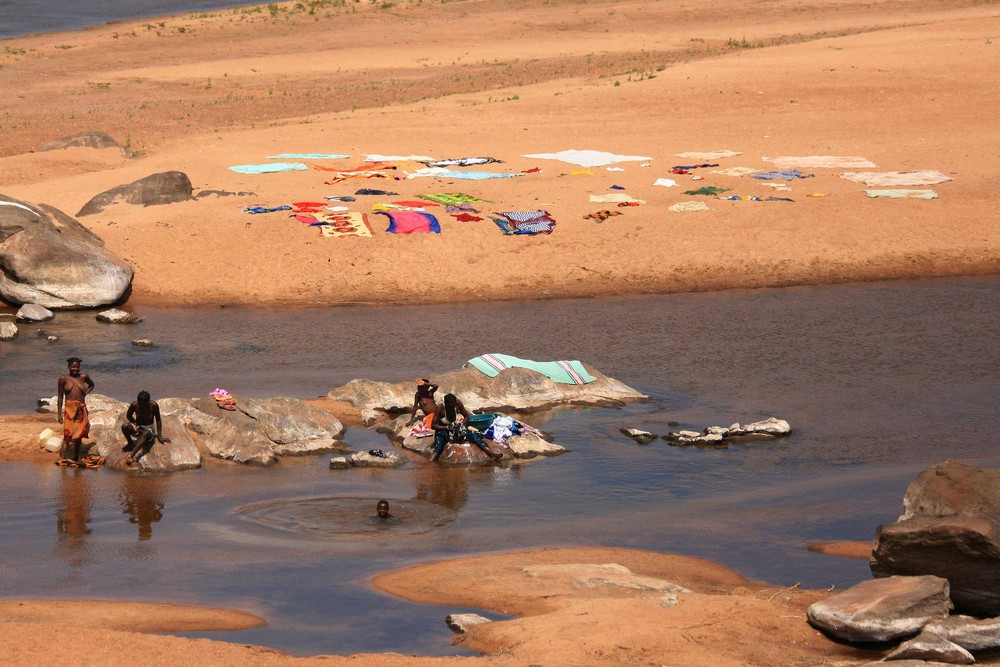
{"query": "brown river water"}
{"type": "Point", "coordinates": [878, 381]}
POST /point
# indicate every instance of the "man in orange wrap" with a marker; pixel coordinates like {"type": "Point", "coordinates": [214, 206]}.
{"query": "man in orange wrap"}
{"type": "Point", "coordinates": [73, 389]}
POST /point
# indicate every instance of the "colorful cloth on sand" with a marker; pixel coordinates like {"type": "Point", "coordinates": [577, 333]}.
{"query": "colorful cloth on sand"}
{"type": "Point", "coordinates": [601, 216]}
{"type": "Point", "coordinates": [587, 158]}
{"type": "Point", "coordinates": [345, 224]}
{"type": "Point", "coordinates": [533, 170]}
{"type": "Point", "coordinates": [410, 222]}
{"type": "Point", "coordinates": [895, 178]}
{"type": "Point", "coordinates": [581, 172]}
{"type": "Point", "coordinates": [708, 190]}
{"type": "Point", "coordinates": [821, 162]}
{"type": "Point", "coordinates": [91, 461]}
{"type": "Point", "coordinates": [264, 209]}
{"type": "Point", "coordinates": [306, 218]}
{"type": "Point", "coordinates": [693, 166]}
{"type": "Point", "coordinates": [76, 421]}
{"type": "Point", "coordinates": [902, 194]}
{"type": "Point", "coordinates": [270, 168]}
{"type": "Point", "coordinates": [308, 156]}
{"type": "Point", "coordinates": [524, 222]}
{"type": "Point", "coordinates": [708, 155]}
{"type": "Point", "coordinates": [623, 204]}
{"type": "Point", "coordinates": [467, 217]}
{"type": "Point", "coordinates": [441, 172]}
{"type": "Point", "coordinates": [452, 198]}
{"type": "Point", "coordinates": [308, 206]}
{"type": "Point", "coordinates": [461, 162]}
{"type": "Point", "coordinates": [376, 193]}
{"type": "Point", "coordinates": [785, 175]}
{"type": "Point", "coordinates": [415, 204]}
{"type": "Point", "coordinates": [563, 372]}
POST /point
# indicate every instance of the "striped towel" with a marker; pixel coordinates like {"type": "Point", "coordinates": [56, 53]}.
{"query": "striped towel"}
{"type": "Point", "coordinates": [563, 372]}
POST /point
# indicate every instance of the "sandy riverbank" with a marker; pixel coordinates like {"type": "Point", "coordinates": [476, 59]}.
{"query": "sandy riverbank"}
{"type": "Point", "coordinates": [907, 85]}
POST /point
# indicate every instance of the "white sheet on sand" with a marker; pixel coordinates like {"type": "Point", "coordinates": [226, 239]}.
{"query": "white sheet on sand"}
{"type": "Point", "coordinates": [708, 155]}
{"type": "Point", "coordinates": [894, 178]}
{"type": "Point", "coordinates": [735, 171]}
{"type": "Point", "coordinates": [681, 207]}
{"type": "Point", "coordinates": [614, 198]}
{"type": "Point", "coordinates": [821, 162]}
{"type": "Point", "coordinates": [398, 158]}
{"type": "Point", "coordinates": [666, 182]}
{"type": "Point", "coordinates": [587, 158]}
{"type": "Point", "coordinates": [902, 194]}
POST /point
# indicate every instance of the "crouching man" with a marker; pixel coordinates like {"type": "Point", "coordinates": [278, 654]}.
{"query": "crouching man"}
{"type": "Point", "coordinates": [143, 427]}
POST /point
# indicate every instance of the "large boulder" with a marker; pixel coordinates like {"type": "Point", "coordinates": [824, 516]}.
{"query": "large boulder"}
{"type": "Point", "coordinates": [32, 312]}
{"type": "Point", "coordinates": [230, 435]}
{"type": "Point", "coordinates": [91, 139]}
{"type": "Point", "coordinates": [181, 453]}
{"type": "Point", "coordinates": [881, 610]}
{"type": "Point", "coordinates": [163, 188]}
{"type": "Point", "coordinates": [294, 426]}
{"type": "Point", "coordinates": [950, 528]}
{"type": "Point", "coordinates": [50, 259]}
{"type": "Point", "coordinates": [514, 389]}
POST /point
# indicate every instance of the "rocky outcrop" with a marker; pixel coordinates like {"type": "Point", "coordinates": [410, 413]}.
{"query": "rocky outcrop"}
{"type": "Point", "coordinates": [32, 312]}
{"type": "Point", "coordinates": [50, 259]}
{"type": "Point", "coordinates": [771, 428]}
{"type": "Point", "coordinates": [461, 623]}
{"type": "Point", "coordinates": [929, 646]}
{"type": "Point", "coordinates": [293, 425]}
{"type": "Point", "coordinates": [881, 610]}
{"type": "Point", "coordinates": [367, 460]}
{"type": "Point", "coordinates": [8, 330]}
{"type": "Point", "coordinates": [972, 634]}
{"type": "Point", "coordinates": [117, 316]}
{"type": "Point", "coordinates": [951, 529]}
{"type": "Point", "coordinates": [83, 140]}
{"type": "Point", "coordinates": [166, 187]}
{"type": "Point", "coordinates": [514, 389]}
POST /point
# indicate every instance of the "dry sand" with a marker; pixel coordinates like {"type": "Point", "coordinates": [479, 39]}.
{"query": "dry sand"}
{"type": "Point", "coordinates": [908, 85]}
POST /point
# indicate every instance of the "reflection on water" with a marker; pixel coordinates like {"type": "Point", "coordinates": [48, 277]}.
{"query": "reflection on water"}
{"type": "Point", "coordinates": [878, 381]}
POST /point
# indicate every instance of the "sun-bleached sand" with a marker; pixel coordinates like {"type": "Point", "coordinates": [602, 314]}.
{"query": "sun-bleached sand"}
{"type": "Point", "coordinates": [909, 86]}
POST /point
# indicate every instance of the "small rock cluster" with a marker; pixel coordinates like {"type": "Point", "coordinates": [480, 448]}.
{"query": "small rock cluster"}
{"type": "Point", "coordinates": [717, 436]}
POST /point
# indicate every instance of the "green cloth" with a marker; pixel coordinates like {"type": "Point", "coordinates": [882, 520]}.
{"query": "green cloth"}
{"type": "Point", "coordinates": [709, 190]}
{"type": "Point", "coordinates": [563, 372]}
{"type": "Point", "coordinates": [452, 198]}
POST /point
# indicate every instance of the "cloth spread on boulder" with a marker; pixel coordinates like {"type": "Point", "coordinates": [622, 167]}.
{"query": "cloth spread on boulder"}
{"type": "Point", "coordinates": [902, 194]}
{"type": "Point", "coordinates": [587, 158]}
{"type": "Point", "coordinates": [308, 156]}
{"type": "Point", "coordinates": [821, 162]}
{"type": "Point", "coordinates": [681, 207]}
{"type": "Point", "coordinates": [345, 224]}
{"type": "Point", "coordinates": [563, 372]}
{"type": "Point", "coordinates": [410, 222]}
{"type": "Point", "coordinates": [785, 175]}
{"type": "Point", "coordinates": [76, 421]}
{"type": "Point", "coordinates": [708, 155]}
{"type": "Point", "coordinates": [460, 161]}
{"type": "Point", "coordinates": [525, 222]}
{"type": "Point", "coordinates": [708, 190]}
{"type": "Point", "coordinates": [895, 178]}
{"type": "Point", "coordinates": [452, 198]}
{"type": "Point", "coordinates": [270, 168]}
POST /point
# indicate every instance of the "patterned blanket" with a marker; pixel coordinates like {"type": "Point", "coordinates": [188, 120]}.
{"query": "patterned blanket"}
{"type": "Point", "coordinates": [563, 372]}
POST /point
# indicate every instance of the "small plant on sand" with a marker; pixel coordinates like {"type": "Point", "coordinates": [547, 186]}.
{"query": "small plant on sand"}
{"type": "Point", "coordinates": [11, 51]}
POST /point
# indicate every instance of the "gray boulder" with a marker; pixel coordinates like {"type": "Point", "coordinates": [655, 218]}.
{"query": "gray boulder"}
{"type": "Point", "coordinates": [527, 445]}
{"type": "Point", "coordinates": [294, 426]}
{"type": "Point", "coordinates": [366, 460]}
{"type": "Point", "coordinates": [82, 140]}
{"type": "Point", "coordinates": [640, 436]}
{"type": "Point", "coordinates": [181, 453]}
{"type": "Point", "coordinates": [8, 330]}
{"type": "Point", "coordinates": [514, 389]}
{"type": "Point", "coordinates": [163, 188]}
{"type": "Point", "coordinates": [951, 529]}
{"type": "Point", "coordinates": [461, 623]}
{"type": "Point", "coordinates": [117, 316]}
{"type": "Point", "coordinates": [50, 259]}
{"type": "Point", "coordinates": [929, 646]}
{"type": "Point", "coordinates": [230, 435]}
{"type": "Point", "coordinates": [882, 609]}
{"type": "Point", "coordinates": [972, 634]}
{"type": "Point", "coordinates": [32, 312]}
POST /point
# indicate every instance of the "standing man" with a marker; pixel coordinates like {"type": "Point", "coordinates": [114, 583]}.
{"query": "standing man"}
{"type": "Point", "coordinates": [142, 428]}
{"type": "Point", "coordinates": [73, 389]}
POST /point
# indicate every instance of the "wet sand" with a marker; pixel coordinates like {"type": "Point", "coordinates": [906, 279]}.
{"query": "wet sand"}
{"type": "Point", "coordinates": [908, 86]}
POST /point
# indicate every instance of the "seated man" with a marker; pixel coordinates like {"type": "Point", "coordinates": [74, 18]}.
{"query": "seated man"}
{"type": "Point", "coordinates": [449, 428]}
{"type": "Point", "coordinates": [142, 428]}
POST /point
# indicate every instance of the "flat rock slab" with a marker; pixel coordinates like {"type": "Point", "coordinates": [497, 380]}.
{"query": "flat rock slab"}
{"type": "Point", "coordinates": [607, 576]}
{"type": "Point", "coordinates": [882, 609]}
{"type": "Point", "coordinates": [929, 646]}
{"type": "Point", "coordinates": [972, 634]}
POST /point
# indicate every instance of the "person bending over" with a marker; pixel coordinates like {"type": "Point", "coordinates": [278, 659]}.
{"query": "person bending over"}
{"type": "Point", "coordinates": [143, 427]}
{"type": "Point", "coordinates": [448, 427]}
{"type": "Point", "coordinates": [423, 399]}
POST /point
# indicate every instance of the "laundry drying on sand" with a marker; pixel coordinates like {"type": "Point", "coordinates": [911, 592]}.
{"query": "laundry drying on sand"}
{"type": "Point", "coordinates": [821, 162]}
{"type": "Point", "coordinates": [901, 194]}
{"type": "Point", "coordinates": [896, 178]}
{"type": "Point", "coordinates": [268, 168]}
{"type": "Point", "coordinates": [587, 158]}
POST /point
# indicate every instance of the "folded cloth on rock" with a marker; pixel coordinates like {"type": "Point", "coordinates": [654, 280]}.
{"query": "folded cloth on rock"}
{"type": "Point", "coordinates": [902, 194]}
{"type": "Point", "coordinates": [461, 161]}
{"type": "Point", "coordinates": [684, 206]}
{"type": "Point", "coordinates": [614, 198]}
{"type": "Point", "coordinates": [892, 178]}
{"type": "Point", "coordinates": [708, 155]}
{"type": "Point", "coordinates": [452, 198]}
{"type": "Point", "coordinates": [345, 224]}
{"type": "Point", "coordinates": [563, 372]}
{"type": "Point", "coordinates": [308, 156]}
{"type": "Point", "coordinates": [410, 222]}
{"type": "Point", "coordinates": [587, 158]}
{"type": "Point", "coordinates": [269, 168]}
{"type": "Point", "coordinates": [785, 175]}
{"type": "Point", "coordinates": [422, 428]}
{"type": "Point", "coordinates": [821, 162]}
{"type": "Point", "coordinates": [441, 172]}
{"type": "Point", "coordinates": [525, 222]}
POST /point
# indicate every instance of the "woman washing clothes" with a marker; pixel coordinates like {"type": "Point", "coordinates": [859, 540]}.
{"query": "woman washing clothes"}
{"type": "Point", "coordinates": [448, 427]}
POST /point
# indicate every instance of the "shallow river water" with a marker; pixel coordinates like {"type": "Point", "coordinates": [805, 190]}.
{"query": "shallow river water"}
{"type": "Point", "coordinates": [878, 381]}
